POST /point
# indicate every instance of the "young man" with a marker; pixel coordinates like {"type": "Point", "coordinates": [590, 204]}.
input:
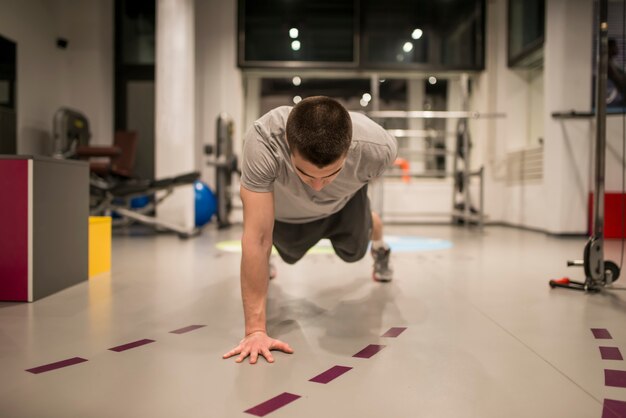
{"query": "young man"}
{"type": "Point", "coordinates": [305, 172]}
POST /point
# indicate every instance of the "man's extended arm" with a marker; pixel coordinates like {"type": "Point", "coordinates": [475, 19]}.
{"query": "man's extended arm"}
{"type": "Point", "coordinates": [256, 244]}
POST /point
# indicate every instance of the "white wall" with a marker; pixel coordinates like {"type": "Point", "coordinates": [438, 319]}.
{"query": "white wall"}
{"type": "Point", "coordinates": [499, 89]}
{"type": "Point", "coordinates": [568, 78]}
{"type": "Point", "coordinates": [80, 76]}
{"type": "Point", "coordinates": [218, 80]}
{"type": "Point", "coordinates": [30, 25]}
{"type": "Point", "coordinates": [89, 62]}
{"type": "Point", "coordinates": [558, 203]}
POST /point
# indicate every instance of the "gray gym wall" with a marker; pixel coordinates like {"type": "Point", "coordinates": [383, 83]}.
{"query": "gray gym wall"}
{"type": "Point", "coordinates": [80, 76]}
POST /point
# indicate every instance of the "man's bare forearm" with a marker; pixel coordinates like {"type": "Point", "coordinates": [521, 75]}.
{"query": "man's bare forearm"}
{"type": "Point", "coordinates": [254, 281]}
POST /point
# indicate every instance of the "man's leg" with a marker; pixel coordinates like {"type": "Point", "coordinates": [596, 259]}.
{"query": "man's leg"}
{"type": "Point", "coordinates": [380, 252]}
{"type": "Point", "coordinates": [377, 227]}
{"type": "Point", "coordinates": [351, 230]}
{"type": "Point", "coordinates": [292, 241]}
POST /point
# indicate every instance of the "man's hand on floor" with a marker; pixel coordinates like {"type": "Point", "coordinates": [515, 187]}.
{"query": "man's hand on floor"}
{"type": "Point", "coordinates": [255, 344]}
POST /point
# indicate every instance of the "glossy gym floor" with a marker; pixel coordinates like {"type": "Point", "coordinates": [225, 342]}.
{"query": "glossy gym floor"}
{"type": "Point", "coordinates": [472, 330]}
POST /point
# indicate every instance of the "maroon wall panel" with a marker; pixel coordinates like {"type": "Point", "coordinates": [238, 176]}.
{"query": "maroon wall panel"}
{"type": "Point", "coordinates": [13, 230]}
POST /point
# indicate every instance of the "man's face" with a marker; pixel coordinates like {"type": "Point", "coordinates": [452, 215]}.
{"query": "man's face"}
{"type": "Point", "coordinates": [314, 177]}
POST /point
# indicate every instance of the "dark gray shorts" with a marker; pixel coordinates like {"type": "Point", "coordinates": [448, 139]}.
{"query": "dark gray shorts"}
{"type": "Point", "coordinates": [348, 230]}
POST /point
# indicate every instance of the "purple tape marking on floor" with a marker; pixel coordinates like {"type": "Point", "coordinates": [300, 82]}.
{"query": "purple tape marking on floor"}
{"type": "Point", "coordinates": [57, 365]}
{"type": "Point", "coordinates": [614, 409]}
{"type": "Point", "coordinates": [601, 334]}
{"type": "Point", "coordinates": [187, 329]}
{"type": "Point", "coordinates": [369, 351]}
{"type": "Point", "coordinates": [611, 353]}
{"type": "Point", "coordinates": [330, 374]}
{"type": "Point", "coordinates": [393, 332]}
{"type": "Point", "coordinates": [616, 378]}
{"type": "Point", "coordinates": [272, 405]}
{"type": "Point", "coordinates": [128, 346]}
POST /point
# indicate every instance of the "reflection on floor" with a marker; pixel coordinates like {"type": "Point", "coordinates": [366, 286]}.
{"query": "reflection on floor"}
{"type": "Point", "coordinates": [469, 330]}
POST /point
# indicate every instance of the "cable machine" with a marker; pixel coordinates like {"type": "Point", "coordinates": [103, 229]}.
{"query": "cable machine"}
{"type": "Point", "coordinates": [598, 271]}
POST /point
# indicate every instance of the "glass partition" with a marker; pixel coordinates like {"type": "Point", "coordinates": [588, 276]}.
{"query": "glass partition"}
{"type": "Point", "coordinates": [526, 32]}
{"type": "Point", "coordinates": [362, 34]}
{"type": "Point", "coordinates": [297, 31]}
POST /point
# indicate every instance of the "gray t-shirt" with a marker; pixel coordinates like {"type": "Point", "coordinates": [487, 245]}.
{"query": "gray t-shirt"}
{"type": "Point", "coordinates": [266, 167]}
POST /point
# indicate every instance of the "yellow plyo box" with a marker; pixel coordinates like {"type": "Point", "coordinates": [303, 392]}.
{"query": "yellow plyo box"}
{"type": "Point", "coordinates": [99, 245]}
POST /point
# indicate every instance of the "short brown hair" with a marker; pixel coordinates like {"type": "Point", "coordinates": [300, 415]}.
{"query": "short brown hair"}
{"type": "Point", "coordinates": [320, 130]}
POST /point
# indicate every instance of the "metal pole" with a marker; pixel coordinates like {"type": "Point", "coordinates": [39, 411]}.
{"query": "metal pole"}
{"type": "Point", "coordinates": [375, 88]}
{"type": "Point", "coordinates": [594, 250]}
{"type": "Point", "coordinates": [601, 78]}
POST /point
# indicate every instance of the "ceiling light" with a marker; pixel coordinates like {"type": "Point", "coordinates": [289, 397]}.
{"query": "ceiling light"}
{"type": "Point", "coordinates": [293, 33]}
{"type": "Point", "coordinates": [296, 81]}
{"type": "Point", "coordinates": [407, 47]}
{"type": "Point", "coordinates": [417, 33]}
{"type": "Point", "coordinates": [295, 45]}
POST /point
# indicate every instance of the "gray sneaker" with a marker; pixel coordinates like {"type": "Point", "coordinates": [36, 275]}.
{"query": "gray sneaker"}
{"type": "Point", "coordinates": [382, 271]}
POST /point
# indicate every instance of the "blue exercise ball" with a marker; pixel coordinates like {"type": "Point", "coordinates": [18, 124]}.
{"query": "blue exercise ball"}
{"type": "Point", "coordinates": [140, 202]}
{"type": "Point", "coordinates": [206, 203]}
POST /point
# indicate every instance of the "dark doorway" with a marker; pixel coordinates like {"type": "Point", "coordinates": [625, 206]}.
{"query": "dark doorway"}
{"type": "Point", "coordinates": [135, 41]}
{"type": "Point", "coordinates": [8, 108]}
